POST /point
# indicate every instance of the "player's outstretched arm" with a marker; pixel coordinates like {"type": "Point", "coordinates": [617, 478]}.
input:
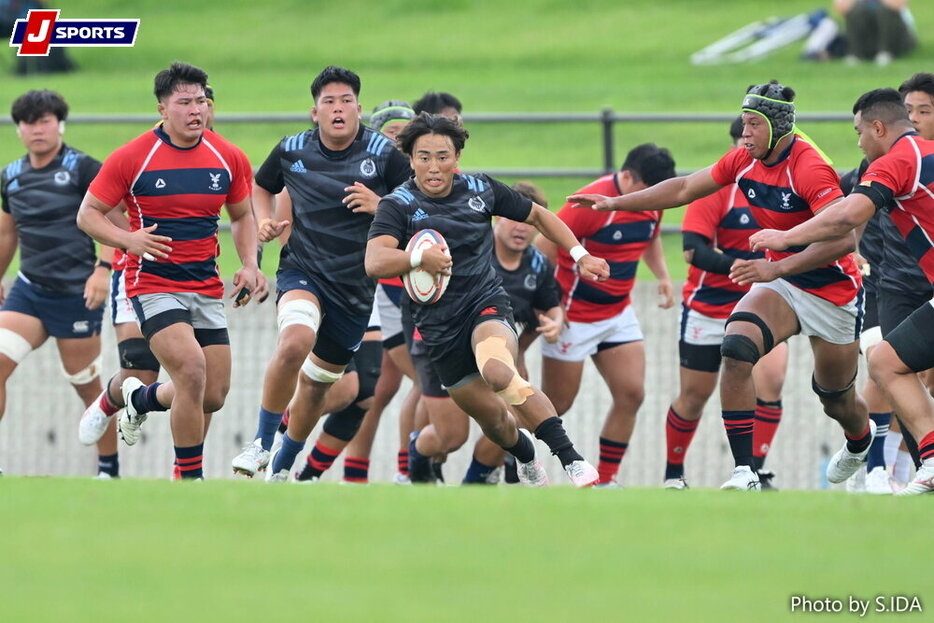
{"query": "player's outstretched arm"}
{"type": "Point", "coordinates": [558, 232]}
{"type": "Point", "coordinates": [834, 221]}
{"type": "Point", "coordinates": [672, 193]}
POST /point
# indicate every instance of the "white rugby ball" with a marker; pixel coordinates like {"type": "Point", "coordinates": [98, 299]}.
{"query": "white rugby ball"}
{"type": "Point", "coordinates": [422, 286]}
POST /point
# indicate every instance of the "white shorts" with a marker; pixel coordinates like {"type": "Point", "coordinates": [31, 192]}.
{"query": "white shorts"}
{"type": "Point", "coordinates": [837, 324]}
{"type": "Point", "coordinates": [374, 322]}
{"type": "Point", "coordinates": [121, 310]}
{"type": "Point", "coordinates": [700, 330]}
{"type": "Point", "coordinates": [580, 340]}
{"type": "Point", "coordinates": [390, 314]}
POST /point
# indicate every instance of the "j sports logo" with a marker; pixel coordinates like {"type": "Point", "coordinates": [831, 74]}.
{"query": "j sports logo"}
{"type": "Point", "coordinates": [42, 30]}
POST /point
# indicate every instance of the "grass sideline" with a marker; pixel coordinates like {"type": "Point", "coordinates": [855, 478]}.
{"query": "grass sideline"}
{"type": "Point", "coordinates": [146, 550]}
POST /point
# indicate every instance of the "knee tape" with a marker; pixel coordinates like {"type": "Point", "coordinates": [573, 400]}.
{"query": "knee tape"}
{"type": "Point", "coordinates": [768, 341]}
{"type": "Point", "coordinates": [739, 347]}
{"type": "Point", "coordinates": [135, 355]}
{"type": "Point", "coordinates": [299, 311]}
{"type": "Point", "coordinates": [14, 345]}
{"type": "Point", "coordinates": [319, 374]}
{"type": "Point", "coordinates": [869, 338]}
{"type": "Point", "coordinates": [494, 347]}
{"type": "Point", "coordinates": [86, 375]}
{"type": "Point", "coordinates": [831, 394]}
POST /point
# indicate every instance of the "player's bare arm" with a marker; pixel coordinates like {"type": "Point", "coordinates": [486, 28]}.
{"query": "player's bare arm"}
{"type": "Point", "coordinates": [263, 206]}
{"type": "Point", "coordinates": [243, 231]}
{"type": "Point", "coordinates": [550, 323]}
{"type": "Point", "coordinates": [9, 240]}
{"type": "Point", "coordinates": [654, 257]}
{"type": "Point", "coordinates": [384, 259]}
{"type": "Point", "coordinates": [97, 285]}
{"type": "Point", "coordinates": [672, 193]}
{"type": "Point", "coordinates": [361, 199]}
{"type": "Point", "coordinates": [557, 231]}
{"type": "Point", "coordinates": [818, 254]}
{"type": "Point", "coordinates": [834, 221]}
{"type": "Point", "coordinates": [93, 220]}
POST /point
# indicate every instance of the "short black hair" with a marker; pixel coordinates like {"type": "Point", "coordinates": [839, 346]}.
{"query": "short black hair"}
{"type": "Point", "coordinates": [178, 73]}
{"type": "Point", "coordinates": [434, 102]}
{"type": "Point", "coordinates": [649, 163]}
{"type": "Point", "coordinates": [736, 129]}
{"type": "Point", "coordinates": [32, 105]}
{"type": "Point", "coordinates": [425, 123]}
{"type": "Point", "coordinates": [531, 191]}
{"type": "Point", "coordinates": [922, 81]}
{"type": "Point", "coordinates": [331, 74]}
{"type": "Point", "coordinates": [883, 105]}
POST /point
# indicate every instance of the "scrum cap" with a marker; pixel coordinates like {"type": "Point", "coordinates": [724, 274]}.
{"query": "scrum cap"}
{"type": "Point", "coordinates": [387, 112]}
{"type": "Point", "coordinates": [773, 102]}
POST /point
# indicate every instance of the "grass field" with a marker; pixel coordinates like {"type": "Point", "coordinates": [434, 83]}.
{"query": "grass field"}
{"type": "Point", "coordinates": [79, 550]}
{"type": "Point", "coordinates": [141, 551]}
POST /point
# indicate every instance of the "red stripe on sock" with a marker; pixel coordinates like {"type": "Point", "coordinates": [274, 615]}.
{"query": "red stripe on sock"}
{"type": "Point", "coordinates": [106, 406]}
{"type": "Point", "coordinates": [678, 436]}
{"type": "Point", "coordinates": [764, 429]}
{"type": "Point", "coordinates": [926, 447]}
{"type": "Point", "coordinates": [194, 459]}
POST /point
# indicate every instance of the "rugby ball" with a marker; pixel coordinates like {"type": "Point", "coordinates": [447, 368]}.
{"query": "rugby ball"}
{"type": "Point", "coordinates": [422, 286]}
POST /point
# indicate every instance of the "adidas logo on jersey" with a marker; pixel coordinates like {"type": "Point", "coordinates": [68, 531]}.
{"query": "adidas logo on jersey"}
{"type": "Point", "coordinates": [419, 215]}
{"type": "Point", "coordinates": [298, 167]}
{"type": "Point", "coordinates": [14, 185]}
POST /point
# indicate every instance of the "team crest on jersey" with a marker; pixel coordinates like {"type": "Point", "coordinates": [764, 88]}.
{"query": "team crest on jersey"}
{"type": "Point", "coordinates": [786, 197]}
{"type": "Point", "coordinates": [62, 177]}
{"type": "Point", "coordinates": [530, 282]}
{"type": "Point", "coordinates": [476, 203]}
{"type": "Point", "coordinates": [215, 179]}
{"type": "Point", "coordinates": [368, 168]}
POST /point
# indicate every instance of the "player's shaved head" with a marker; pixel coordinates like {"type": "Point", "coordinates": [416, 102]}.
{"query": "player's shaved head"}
{"type": "Point", "coordinates": [884, 105]}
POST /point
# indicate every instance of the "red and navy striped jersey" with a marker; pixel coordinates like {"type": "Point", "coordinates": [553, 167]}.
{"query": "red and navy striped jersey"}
{"type": "Point", "coordinates": [786, 193]}
{"type": "Point", "coordinates": [182, 191]}
{"type": "Point", "coordinates": [726, 220]}
{"type": "Point", "coordinates": [907, 170]}
{"type": "Point", "coordinates": [618, 237]}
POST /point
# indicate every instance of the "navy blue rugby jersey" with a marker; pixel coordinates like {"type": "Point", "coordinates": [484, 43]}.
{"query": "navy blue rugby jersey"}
{"type": "Point", "coordinates": [328, 240]}
{"type": "Point", "coordinates": [54, 253]}
{"type": "Point", "coordinates": [464, 219]}
{"type": "Point", "coordinates": [530, 287]}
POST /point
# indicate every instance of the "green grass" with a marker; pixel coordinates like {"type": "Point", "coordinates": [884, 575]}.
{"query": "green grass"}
{"type": "Point", "coordinates": [533, 56]}
{"type": "Point", "coordinates": [80, 550]}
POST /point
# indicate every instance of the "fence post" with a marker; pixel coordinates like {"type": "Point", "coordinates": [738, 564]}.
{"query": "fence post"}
{"type": "Point", "coordinates": [606, 121]}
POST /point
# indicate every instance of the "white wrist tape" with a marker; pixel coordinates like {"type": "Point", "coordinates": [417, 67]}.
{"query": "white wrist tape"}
{"type": "Point", "coordinates": [578, 252]}
{"type": "Point", "coordinates": [415, 259]}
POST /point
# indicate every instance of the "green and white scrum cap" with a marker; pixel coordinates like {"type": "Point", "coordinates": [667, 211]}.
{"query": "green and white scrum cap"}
{"type": "Point", "coordinates": [388, 112]}
{"type": "Point", "coordinates": [773, 102]}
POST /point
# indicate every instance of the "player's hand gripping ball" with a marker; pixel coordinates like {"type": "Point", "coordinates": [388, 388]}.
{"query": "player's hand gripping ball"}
{"type": "Point", "coordinates": [422, 286]}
